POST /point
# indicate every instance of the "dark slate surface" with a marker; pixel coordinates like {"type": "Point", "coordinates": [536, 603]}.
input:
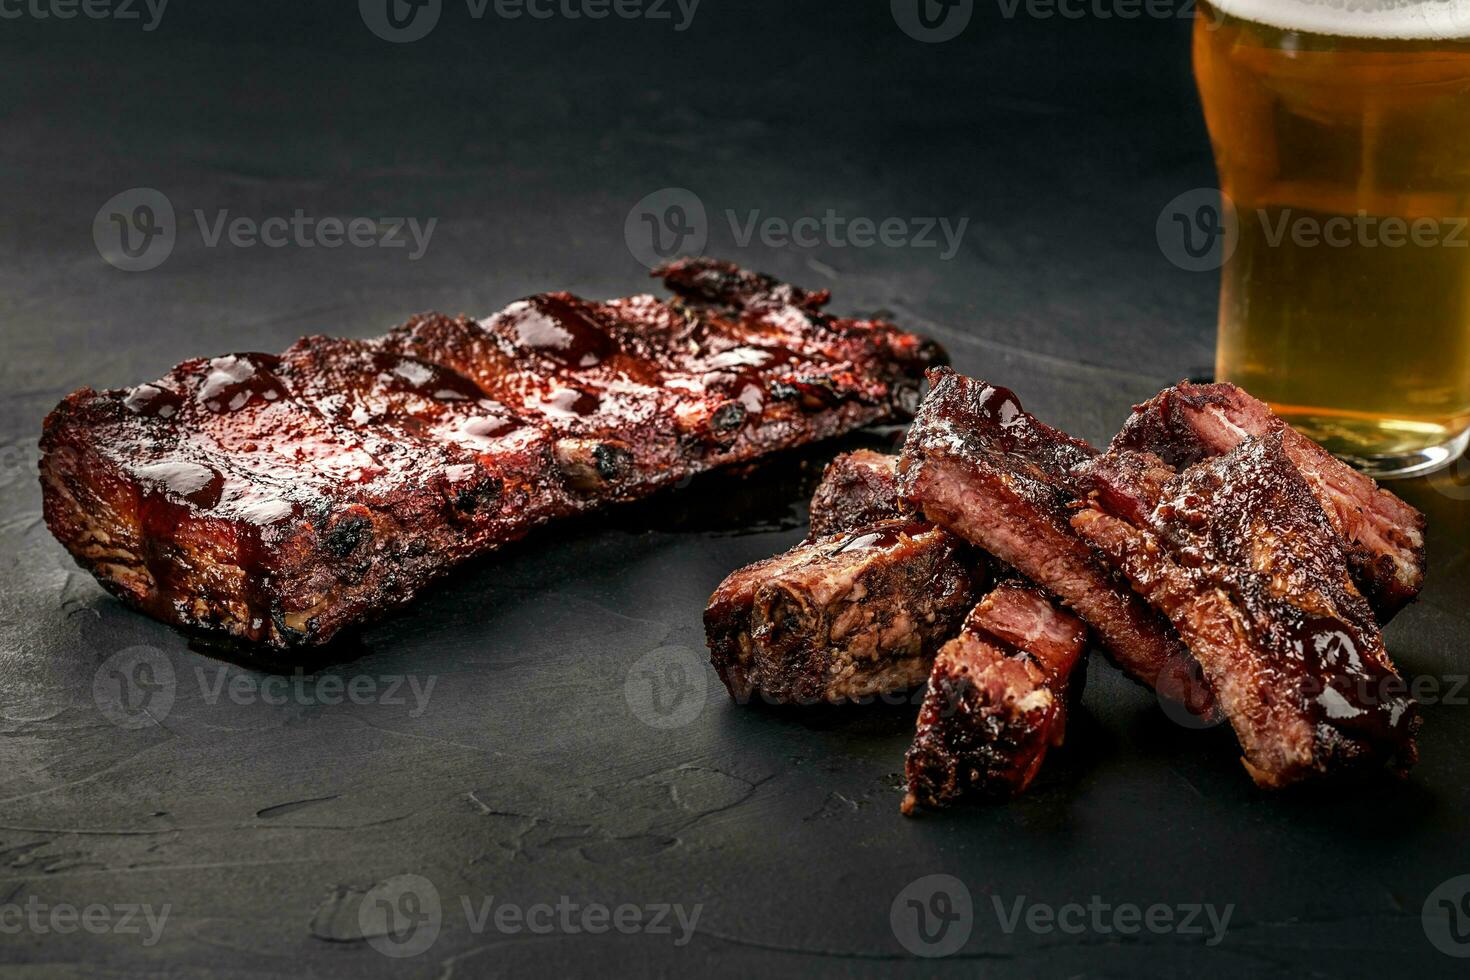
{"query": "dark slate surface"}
{"type": "Point", "coordinates": [531, 774]}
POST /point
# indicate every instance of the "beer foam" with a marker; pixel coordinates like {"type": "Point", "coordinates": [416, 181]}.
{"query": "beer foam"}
{"type": "Point", "coordinates": [1422, 20]}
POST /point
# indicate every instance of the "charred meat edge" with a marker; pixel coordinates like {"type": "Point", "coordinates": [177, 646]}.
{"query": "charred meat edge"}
{"type": "Point", "coordinates": [277, 499]}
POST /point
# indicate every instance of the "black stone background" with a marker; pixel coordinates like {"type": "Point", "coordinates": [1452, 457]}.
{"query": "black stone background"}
{"type": "Point", "coordinates": [529, 776]}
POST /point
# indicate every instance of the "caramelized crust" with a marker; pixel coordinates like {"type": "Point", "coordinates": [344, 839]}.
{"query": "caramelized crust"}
{"type": "Point", "coordinates": [845, 616]}
{"type": "Point", "coordinates": [998, 699]}
{"type": "Point", "coordinates": [280, 498]}
{"type": "Point", "coordinates": [1381, 536]}
{"type": "Point", "coordinates": [1237, 552]}
{"type": "Point", "coordinates": [977, 464]}
{"type": "Point", "coordinates": [857, 488]}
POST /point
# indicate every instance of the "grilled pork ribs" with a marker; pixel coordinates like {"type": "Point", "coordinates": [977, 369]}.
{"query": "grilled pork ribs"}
{"type": "Point", "coordinates": [859, 608]}
{"type": "Point", "coordinates": [847, 616]}
{"type": "Point", "coordinates": [857, 488]}
{"type": "Point", "coordinates": [976, 463]}
{"type": "Point", "coordinates": [1382, 536]}
{"type": "Point", "coordinates": [998, 698]}
{"type": "Point", "coordinates": [998, 693]}
{"type": "Point", "coordinates": [1249, 548]}
{"type": "Point", "coordinates": [1239, 554]}
{"type": "Point", "coordinates": [280, 498]}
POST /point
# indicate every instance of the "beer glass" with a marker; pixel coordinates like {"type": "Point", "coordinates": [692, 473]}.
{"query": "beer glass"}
{"type": "Point", "coordinates": [1341, 134]}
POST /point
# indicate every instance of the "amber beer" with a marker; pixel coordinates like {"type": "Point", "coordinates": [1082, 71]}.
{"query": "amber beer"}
{"type": "Point", "coordinates": [1342, 137]}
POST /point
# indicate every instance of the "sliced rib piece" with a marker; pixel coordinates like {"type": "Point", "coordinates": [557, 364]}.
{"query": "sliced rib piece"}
{"type": "Point", "coordinates": [281, 498]}
{"type": "Point", "coordinates": [998, 698]}
{"type": "Point", "coordinates": [857, 488]}
{"type": "Point", "coordinates": [846, 616]}
{"type": "Point", "coordinates": [979, 465]}
{"type": "Point", "coordinates": [1382, 536]}
{"type": "Point", "coordinates": [1238, 553]}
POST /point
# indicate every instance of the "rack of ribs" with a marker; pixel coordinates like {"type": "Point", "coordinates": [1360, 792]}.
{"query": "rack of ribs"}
{"type": "Point", "coordinates": [277, 499]}
{"type": "Point", "coordinates": [998, 698]}
{"type": "Point", "coordinates": [1381, 535]}
{"type": "Point", "coordinates": [1239, 554]}
{"type": "Point", "coordinates": [977, 464]}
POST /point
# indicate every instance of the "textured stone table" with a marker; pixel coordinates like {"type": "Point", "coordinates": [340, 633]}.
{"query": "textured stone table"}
{"type": "Point", "coordinates": [514, 739]}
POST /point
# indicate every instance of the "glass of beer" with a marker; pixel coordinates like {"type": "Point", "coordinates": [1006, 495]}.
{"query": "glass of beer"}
{"type": "Point", "coordinates": [1341, 131]}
